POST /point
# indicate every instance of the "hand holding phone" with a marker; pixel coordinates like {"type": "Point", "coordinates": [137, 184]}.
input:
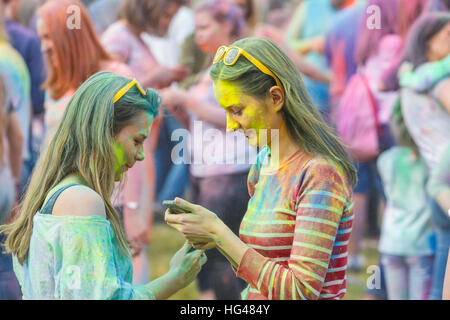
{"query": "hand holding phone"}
{"type": "Point", "coordinates": [174, 208]}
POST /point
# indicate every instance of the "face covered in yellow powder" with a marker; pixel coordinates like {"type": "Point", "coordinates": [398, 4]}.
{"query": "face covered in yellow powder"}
{"type": "Point", "coordinates": [248, 113]}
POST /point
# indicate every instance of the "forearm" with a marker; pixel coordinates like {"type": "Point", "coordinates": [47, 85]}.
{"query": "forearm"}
{"type": "Point", "coordinates": [443, 199]}
{"type": "Point", "coordinates": [164, 286]}
{"type": "Point", "coordinates": [310, 70]}
{"type": "Point", "coordinates": [207, 112]}
{"type": "Point", "coordinates": [294, 29]}
{"type": "Point", "coordinates": [230, 245]}
{"type": "Point", "coordinates": [446, 289]}
{"type": "Point", "coordinates": [151, 81]}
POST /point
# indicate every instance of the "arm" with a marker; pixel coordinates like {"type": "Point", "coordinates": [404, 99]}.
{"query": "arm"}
{"type": "Point", "coordinates": [91, 267]}
{"type": "Point", "coordinates": [309, 69]}
{"type": "Point", "coordinates": [293, 30]}
{"type": "Point", "coordinates": [15, 143]}
{"type": "Point", "coordinates": [312, 247]}
{"type": "Point", "coordinates": [206, 111]}
{"type": "Point", "coordinates": [315, 235]}
{"type": "Point", "coordinates": [443, 94]}
{"type": "Point", "coordinates": [174, 99]}
{"type": "Point", "coordinates": [446, 289]}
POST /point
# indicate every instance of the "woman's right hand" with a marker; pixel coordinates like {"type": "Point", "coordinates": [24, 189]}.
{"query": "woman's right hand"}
{"type": "Point", "coordinates": [186, 265]}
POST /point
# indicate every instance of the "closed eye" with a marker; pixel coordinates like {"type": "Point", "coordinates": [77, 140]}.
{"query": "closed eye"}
{"type": "Point", "coordinates": [236, 111]}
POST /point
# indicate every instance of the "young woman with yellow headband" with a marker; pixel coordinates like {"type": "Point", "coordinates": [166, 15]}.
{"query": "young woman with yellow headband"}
{"type": "Point", "coordinates": [294, 235]}
{"type": "Point", "coordinates": [67, 242]}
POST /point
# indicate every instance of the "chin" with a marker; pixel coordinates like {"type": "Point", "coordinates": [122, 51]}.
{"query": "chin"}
{"type": "Point", "coordinates": [253, 141]}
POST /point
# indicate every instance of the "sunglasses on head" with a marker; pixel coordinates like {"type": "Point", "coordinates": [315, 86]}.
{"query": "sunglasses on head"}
{"type": "Point", "coordinates": [126, 88]}
{"type": "Point", "coordinates": [230, 55]}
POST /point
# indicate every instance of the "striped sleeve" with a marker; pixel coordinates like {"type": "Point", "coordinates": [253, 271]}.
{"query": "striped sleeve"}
{"type": "Point", "coordinates": [319, 202]}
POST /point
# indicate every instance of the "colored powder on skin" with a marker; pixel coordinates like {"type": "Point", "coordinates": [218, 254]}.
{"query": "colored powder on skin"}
{"type": "Point", "coordinates": [120, 158]}
{"type": "Point", "coordinates": [253, 113]}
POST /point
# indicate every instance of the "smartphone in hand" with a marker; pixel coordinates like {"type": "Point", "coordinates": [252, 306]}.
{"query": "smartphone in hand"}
{"type": "Point", "coordinates": [174, 208]}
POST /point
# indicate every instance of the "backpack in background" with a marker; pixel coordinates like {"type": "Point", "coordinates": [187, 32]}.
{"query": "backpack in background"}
{"type": "Point", "coordinates": [358, 123]}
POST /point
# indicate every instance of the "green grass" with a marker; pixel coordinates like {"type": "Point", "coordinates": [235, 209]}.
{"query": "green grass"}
{"type": "Point", "coordinates": [166, 241]}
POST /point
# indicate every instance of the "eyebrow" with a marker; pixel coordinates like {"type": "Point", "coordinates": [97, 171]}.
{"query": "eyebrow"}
{"type": "Point", "coordinates": [234, 106]}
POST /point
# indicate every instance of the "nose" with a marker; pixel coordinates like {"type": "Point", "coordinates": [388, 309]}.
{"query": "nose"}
{"type": "Point", "coordinates": [141, 155]}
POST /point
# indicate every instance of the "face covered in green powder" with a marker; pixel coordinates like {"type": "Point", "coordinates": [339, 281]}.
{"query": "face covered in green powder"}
{"type": "Point", "coordinates": [248, 113]}
{"type": "Point", "coordinates": [129, 144]}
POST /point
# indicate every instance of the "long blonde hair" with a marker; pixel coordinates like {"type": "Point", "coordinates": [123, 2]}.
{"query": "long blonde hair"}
{"type": "Point", "coordinates": [82, 145]}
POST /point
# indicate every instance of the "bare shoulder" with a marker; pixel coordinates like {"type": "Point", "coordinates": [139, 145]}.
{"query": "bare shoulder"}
{"type": "Point", "coordinates": [443, 93]}
{"type": "Point", "coordinates": [79, 200]}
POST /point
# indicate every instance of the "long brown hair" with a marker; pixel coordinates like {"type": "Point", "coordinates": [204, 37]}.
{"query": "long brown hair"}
{"type": "Point", "coordinates": [303, 120]}
{"type": "Point", "coordinates": [78, 51]}
{"type": "Point", "coordinates": [82, 145]}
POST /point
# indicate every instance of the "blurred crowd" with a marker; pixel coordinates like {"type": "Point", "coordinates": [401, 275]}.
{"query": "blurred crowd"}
{"type": "Point", "coordinates": [377, 70]}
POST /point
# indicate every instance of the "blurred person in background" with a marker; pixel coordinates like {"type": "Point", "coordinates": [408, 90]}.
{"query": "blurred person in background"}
{"type": "Point", "coordinates": [17, 82]}
{"type": "Point", "coordinates": [27, 43]}
{"type": "Point", "coordinates": [12, 152]}
{"type": "Point", "coordinates": [71, 56]}
{"type": "Point", "coordinates": [24, 12]}
{"type": "Point", "coordinates": [307, 37]}
{"type": "Point", "coordinates": [425, 101]}
{"type": "Point", "coordinates": [340, 43]}
{"type": "Point", "coordinates": [123, 41]}
{"type": "Point", "coordinates": [375, 49]}
{"type": "Point", "coordinates": [273, 22]}
{"type": "Point", "coordinates": [166, 45]}
{"type": "Point", "coordinates": [249, 12]}
{"type": "Point", "coordinates": [104, 13]}
{"type": "Point", "coordinates": [410, 11]}
{"type": "Point", "coordinates": [215, 183]}
{"type": "Point", "coordinates": [446, 291]}
{"type": "Point", "coordinates": [406, 241]}
{"type": "Point", "coordinates": [438, 5]}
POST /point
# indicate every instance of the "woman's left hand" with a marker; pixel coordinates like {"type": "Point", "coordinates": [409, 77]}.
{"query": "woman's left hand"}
{"type": "Point", "coordinates": [200, 226]}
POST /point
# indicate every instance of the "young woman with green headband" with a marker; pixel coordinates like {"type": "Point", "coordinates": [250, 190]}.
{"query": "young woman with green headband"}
{"type": "Point", "coordinates": [67, 242]}
{"type": "Point", "coordinates": [294, 235]}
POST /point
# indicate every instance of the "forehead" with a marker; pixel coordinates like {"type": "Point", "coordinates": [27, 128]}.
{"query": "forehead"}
{"type": "Point", "coordinates": [140, 124]}
{"type": "Point", "coordinates": [227, 93]}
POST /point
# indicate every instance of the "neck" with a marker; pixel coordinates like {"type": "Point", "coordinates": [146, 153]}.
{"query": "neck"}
{"type": "Point", "coordinates": [286, 145]}
{"type": "Point", "coordinates": [74, 178]}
